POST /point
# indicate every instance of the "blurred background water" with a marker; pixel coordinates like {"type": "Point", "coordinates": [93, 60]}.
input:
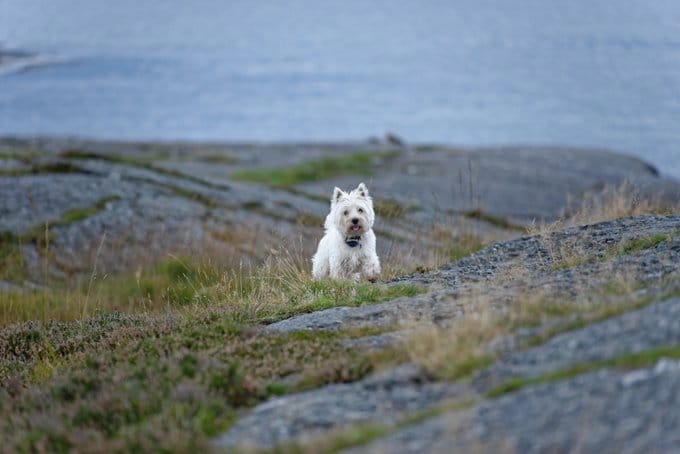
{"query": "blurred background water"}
{"type": "Point", "coordinates": [463, 72]}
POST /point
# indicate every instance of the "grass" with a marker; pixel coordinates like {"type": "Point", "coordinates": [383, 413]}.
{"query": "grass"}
{"type": "Point", "coordinates": [218, 159]}
{"type": "Point", "coordinates": [392, 209]}
{"type": "Point", "coordinates": [12, 259]}
{"type": "Point", "coordinates": [359, 163]}
{"type": "Point", "coordinates": [451, 245]}
{"type": "Point", "coordinates": [611, 202]}
{"type": "Point", "coordinates": [573, 256]}
{"type": "Point", "coordinates": [42, 168]}
{"type": "Point", "coordinates": [119, 382]}
{"type": "Point", "coordinates": [452, 353]}
{"type": "Point", "coordinates": [646, 242]}
{"type": "Point", "coordinates": [497, 221]}
{"type": "Point", "coordinates": [460, 349]}
{"type": "Point", "coordinates": [614, 202]}
{"type": "Point", "coordinates": [139, 160]}
{"type": "Point", "coordinates": [190, 195]}
{"type": "Point", "coordinates": [428, 247]}
{"type": "Point", "coordinates": [263, 294]}
{"type": "Point", "coordinates": [625, 361]}
{"type": "Point", "coordinates": [78, 214]}
{"type": "Point", "coordinates": [22, 155]}
{"type": "Point", "coordinates": [174, 369]}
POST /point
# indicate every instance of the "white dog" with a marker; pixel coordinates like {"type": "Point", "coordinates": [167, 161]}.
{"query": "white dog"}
{"type": "Point", "coordinates": [347, 250]}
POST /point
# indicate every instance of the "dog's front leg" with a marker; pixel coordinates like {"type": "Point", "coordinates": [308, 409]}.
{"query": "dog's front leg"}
{"type": "Point", "coordinates": [372, 271]}
{"type": "Point", "coordinates": [335, 268]}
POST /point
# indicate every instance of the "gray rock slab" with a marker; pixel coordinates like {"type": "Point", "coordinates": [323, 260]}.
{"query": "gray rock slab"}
{"type": "Point", "coordinates": [33, 199]}
{"type": "Point", "coordinates": [11, 164]}
{"type": "Point", "coordinates": [378, 341]}
{"type": "Point", "coordinates": [540, 254]}
{"type": "Point", "coordinates": [604, 411]}
{"type": "Point", "coordinates": [518, 183]}
{"type": "Point", "coordinates": [382, 398]}
{"type": "Point", "coordinates": [655, 325]}
{"type": "Point", "coordinates": [383, 314]}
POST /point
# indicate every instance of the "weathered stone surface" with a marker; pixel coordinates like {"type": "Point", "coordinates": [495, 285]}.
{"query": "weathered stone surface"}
{"type": "Point", "coordinates": [521, 184]}
{"type": "Point", "coordinates": [382, 398]}
{"type": "Point", "coordinates": [34, 199]}
{"type": "Point", "coordinates": [603, 411]}
{"type": "Point", "coordinates": [656, 325]}
{"type": "Point", "coordinates": [545, 255]}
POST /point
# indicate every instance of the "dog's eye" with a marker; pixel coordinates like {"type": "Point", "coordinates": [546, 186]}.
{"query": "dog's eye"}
{"type": "Point", "coordinates": [361, 210]}
{"type": "Point", "coordinates": [345, 212]}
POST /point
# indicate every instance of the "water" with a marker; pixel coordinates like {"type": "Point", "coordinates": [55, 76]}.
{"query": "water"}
{"type": "Point", "coordinates": [466, 72]}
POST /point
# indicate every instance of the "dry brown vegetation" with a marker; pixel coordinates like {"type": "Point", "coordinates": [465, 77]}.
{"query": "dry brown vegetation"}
{"type": "Point", "coordinates": [612, 202]}
{"type": "Point", "coordinates": [454, 351]}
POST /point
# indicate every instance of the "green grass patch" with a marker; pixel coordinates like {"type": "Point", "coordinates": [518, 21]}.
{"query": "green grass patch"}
{"type": "Point", "coordinates": [166, 382]}
{"type": "Point", "coordinates": [646, 242]}
{"type": "Point", "coordinates": [217, 159]}
{"type": "Point", "coordinates": [12, 269]}
{"type": "Point", "coordinates": [466, 367]}
{"type": "Point", "coordinates": [497, 221]}
{"type": "Point", "coordinates": [623, 248]}
{"type": "Point", "coordinates": [22, 155]}
{"type": "Point", "coordinates": [333, 293]}
{"type": "Point", "coordinates": [625, 361]}
{"type": "Point", "coordinates": [39, 232]}
{"type": "Point", "coordinates": [359, 163]}
{"type": "Point", "coordinates": [78, 214]}
{"type": "Point", "coordinates": [42, 168]}
{"type": "Point", "coordinates": [191, 195]}
{"type": "Point", "coordinates": [255, 295]}
{"type": "Point", "coordinates": [139, 159]}
{"type": "Point", "coordinates": [426, 148]}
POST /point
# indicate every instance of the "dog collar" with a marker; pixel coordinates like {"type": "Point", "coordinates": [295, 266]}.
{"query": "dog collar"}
{"type": "Point", "coordinates": [353, 241]}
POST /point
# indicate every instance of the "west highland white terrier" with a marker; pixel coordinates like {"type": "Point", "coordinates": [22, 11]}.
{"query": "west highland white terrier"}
{"type": "Point", "coordinates": [347, 250]}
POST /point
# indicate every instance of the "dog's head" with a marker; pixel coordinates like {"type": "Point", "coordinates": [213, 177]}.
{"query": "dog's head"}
{"type": "Point", "coordinates": [351, 213]}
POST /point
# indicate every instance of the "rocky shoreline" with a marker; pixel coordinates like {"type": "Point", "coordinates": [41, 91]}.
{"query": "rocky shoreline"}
{"type": "Point", "coordinates": [187, 191]}
{"type": "Point", "coordinates": [540, 312]}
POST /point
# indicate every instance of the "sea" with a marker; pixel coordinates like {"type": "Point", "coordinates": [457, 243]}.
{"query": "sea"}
{"type": "Point", "coordinates": [582, 73]}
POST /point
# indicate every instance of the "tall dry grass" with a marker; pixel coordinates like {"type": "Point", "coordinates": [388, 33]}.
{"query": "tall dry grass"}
{"type": "Point", "coordinates": [469, 342]}
{"type": "Point", "coordinates": [612, 202]}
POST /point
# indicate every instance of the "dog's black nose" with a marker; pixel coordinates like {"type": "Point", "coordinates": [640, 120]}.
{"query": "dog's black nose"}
{"type": "Point", "coordinates": [355, 221]}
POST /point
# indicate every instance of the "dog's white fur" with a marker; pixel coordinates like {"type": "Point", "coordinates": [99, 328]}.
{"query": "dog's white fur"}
{"type": "Point", "coordinates": [351, 215]}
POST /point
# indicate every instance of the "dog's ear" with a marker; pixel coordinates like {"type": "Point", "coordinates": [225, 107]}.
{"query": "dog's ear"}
{"type": "Point", "coordinates": [337, 193]}
{"type": "Point", "coordinates": [362, 190]}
